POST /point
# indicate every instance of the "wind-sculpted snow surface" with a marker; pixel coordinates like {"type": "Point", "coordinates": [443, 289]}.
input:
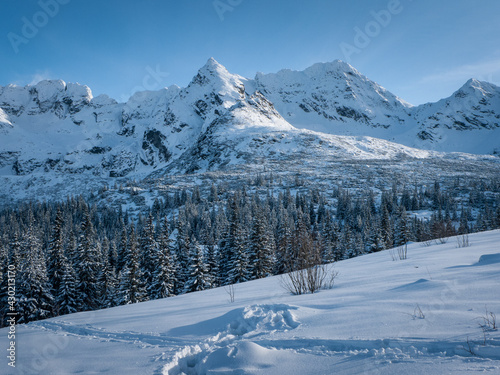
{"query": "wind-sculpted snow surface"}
{"type": "Point", "coordinates": [368, 323]}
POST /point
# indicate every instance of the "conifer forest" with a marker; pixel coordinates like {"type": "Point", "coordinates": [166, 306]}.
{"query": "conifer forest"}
{"type": "Point", "coordinates": [74, 255]}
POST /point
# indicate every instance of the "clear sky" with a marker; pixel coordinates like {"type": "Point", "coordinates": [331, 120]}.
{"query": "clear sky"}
{"type": "Point", "coordinates": [421, 50]}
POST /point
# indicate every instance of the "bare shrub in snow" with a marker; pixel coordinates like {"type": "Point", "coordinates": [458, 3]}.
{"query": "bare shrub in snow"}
{"type": "Point", "coordinates": [463, 241]}
{"type": "Point", "coordinates": [229, 289]}
{"type": "Point", "coordinates": [489, 321]}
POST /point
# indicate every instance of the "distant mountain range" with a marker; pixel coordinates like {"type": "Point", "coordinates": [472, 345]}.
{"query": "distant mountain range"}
{"type": "Point", "coordinates": [222, 118]}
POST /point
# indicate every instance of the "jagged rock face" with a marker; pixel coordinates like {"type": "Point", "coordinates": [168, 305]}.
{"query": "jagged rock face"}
{"type": "Point", "coordinates": [54, 96]}
{"type": "Point", "coordinates": [4, 121]}
{"type": "Point", "coordinates": [222, 118]}
{"type": "Point", "coordinates": [333, 94]}
{"type": "Point", "coordinates": [474, 106]}
{"type": "Point", "coordinates": [468, 120]}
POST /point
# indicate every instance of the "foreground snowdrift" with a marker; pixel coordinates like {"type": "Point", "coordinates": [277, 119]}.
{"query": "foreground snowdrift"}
{"type": "Point", "coordinates": [368, 323]}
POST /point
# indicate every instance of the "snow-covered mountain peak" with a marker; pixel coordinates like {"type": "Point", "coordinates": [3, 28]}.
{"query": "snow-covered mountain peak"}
{"type": "Point", "coordinates": [336, 68]}
{"type": "Point", "coordinates": [54, 96]}
{"type": "Point", "coordinates": [102, 100]}
{"type": "Point", "coordinates": [215, 78]}
{"type": "Point", "coordinates": [332, 97]}
{"type": "Point", "coordinates": [53, 90]}
{"type": "Point", "coordinates": [477, 88]}
{"type": "Point", "coordinates": [221, 118]}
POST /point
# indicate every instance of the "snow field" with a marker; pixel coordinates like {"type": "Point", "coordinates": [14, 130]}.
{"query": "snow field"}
{"type": "Point", "coordinates": [413, 316]}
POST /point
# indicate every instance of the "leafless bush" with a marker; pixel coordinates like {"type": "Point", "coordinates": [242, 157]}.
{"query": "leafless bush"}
{"type": "Point", "coordinates": [469, 347]}
{"type": "Point", "coordinates": [400, 253]}
{"type": "Point", "coordinates": [294, 282]}
{"type": "Point", "coordinates": [403, 252]}
{"type": "Point", "coordinates": [427, 243]}
{"type": "Point", "coordinates": [417, 313]}
{"type": "Point", "coordinates": [463, 241]}
{"type": "Point", "coordinates": [442, 240]}
{"type": "Point", "coordinates": [306, 273]}
{"type": "Point", "coordinates": [229, 289]}
{"type": "Point", "coordinates": [330, 278]}
{"type": "Point", "coordinates": [308, 280]}
{"type": "Point", "coordinates": [394, 255]}
{"type": "Point", "coordinates": [489, 321]}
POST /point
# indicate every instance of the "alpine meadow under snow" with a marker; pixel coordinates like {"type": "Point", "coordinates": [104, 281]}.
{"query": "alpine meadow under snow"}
{"type": "Point", "coordinates": [422, 315]}
{"type": "Point", "coordinates": [169, 234]}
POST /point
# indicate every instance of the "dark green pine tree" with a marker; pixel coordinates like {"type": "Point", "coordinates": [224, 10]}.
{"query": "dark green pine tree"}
{"type": "Point", "coordinates": [35, 300]}
{"type": "Point", "coordinates": [181, 254]}
{"type": "Point", "coordinates": [386, 228]}
{"type": "Point", "coordinates": [237, 257]}
{"type": "Point", "coordinates": [375, 239]}
{"type": "Point", "coordinates": [67, 300]}
{"type": "Point", "coordinates": [122, 248]}
{"type": "Point", "coordinates": [57, 260]}
{"type": "Point", "coordinates": [132, 287]}
{"type": "Point", "coordinates": [402, 233]}
{"type": "Point", "coordinates": [148, 249]}
{"type": "Point", "coordinates": [89, 265]}
{"type": "Point", "coordinates": [4, 280]}
{"type": "Point", "coordinates": [198, 276]}
{"type": "Point", "coordinates": [163, 281]}
{"type": "Point", "coordinates": [213, 266]}
{"type": "Point", "coordinates": [284, 243]}
{"type": "Point", "coordinates": [260, 248]}
{"type": "Point", "coordinates": [108, 280]}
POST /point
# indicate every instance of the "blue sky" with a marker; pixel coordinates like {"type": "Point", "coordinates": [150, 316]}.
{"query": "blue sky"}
{"type": "Point", "coordinates": [421, 50]}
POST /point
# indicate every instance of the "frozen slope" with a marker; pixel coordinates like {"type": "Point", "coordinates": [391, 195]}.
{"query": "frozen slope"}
{"type": "Point", "coordinates": [367, 324]}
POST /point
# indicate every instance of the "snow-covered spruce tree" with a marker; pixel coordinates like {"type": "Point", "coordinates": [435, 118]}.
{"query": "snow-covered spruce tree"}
{"type": "Point", "coordinates": [402, 233]}
{"type": "Point", "coordinates": [284, 242]}
{"type": "Point", "coordinates": [148, 249]}
{"type": "Point", "coordinates": [132, 287]}
{"type": "Point", "coordinates": [237, 267]}
{"type": "Point", "coordinates": [386, 228]}
{"type": "Point", "coordinates": [375, 239]}
{"type": "Point", "coordinates": [108, 279]}
{"type": "Point", "coordinates": [89, 265]}
{"type": "Point", "coordinates": [57, 260]}
{"type": "Point", "coordinates": [122, 250]}
{"type": "Point", "coordinates": [35, 300]}
{"type": "Point", "coordinates": [163, 281]}
{"type": "Point", "coordinates": [198, 276]}
{"type": "Point", "coordinates": [182, 244]}
{"type": "Point", "coordinates": [260, 252]}
{"type": "Point", "coordinates": [4, 268]}
{"type": "Point", "coordinates": [66, 299]}
{"type": "Point", "coordinates": [212, 265]}
{"type": "Point", "coordinates": [330, 239]}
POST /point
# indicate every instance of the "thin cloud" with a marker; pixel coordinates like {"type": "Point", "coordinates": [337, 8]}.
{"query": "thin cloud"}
{"type": "Point", "coordinates": [37, 77]}
{"type": "Point", "coordinates": [484, 71]}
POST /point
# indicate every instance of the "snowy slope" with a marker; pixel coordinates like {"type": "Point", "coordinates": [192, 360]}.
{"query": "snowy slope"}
{"type": "Point", "coordinates": [368, 323]}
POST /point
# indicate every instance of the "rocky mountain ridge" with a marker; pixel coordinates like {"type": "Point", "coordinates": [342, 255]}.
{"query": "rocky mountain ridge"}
{"type": "Point", "coordinates": [221, 119]}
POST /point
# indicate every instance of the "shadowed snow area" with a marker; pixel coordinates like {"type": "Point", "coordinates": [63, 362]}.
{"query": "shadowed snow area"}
{"type": "Point", "coordinates": [422, 315]}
